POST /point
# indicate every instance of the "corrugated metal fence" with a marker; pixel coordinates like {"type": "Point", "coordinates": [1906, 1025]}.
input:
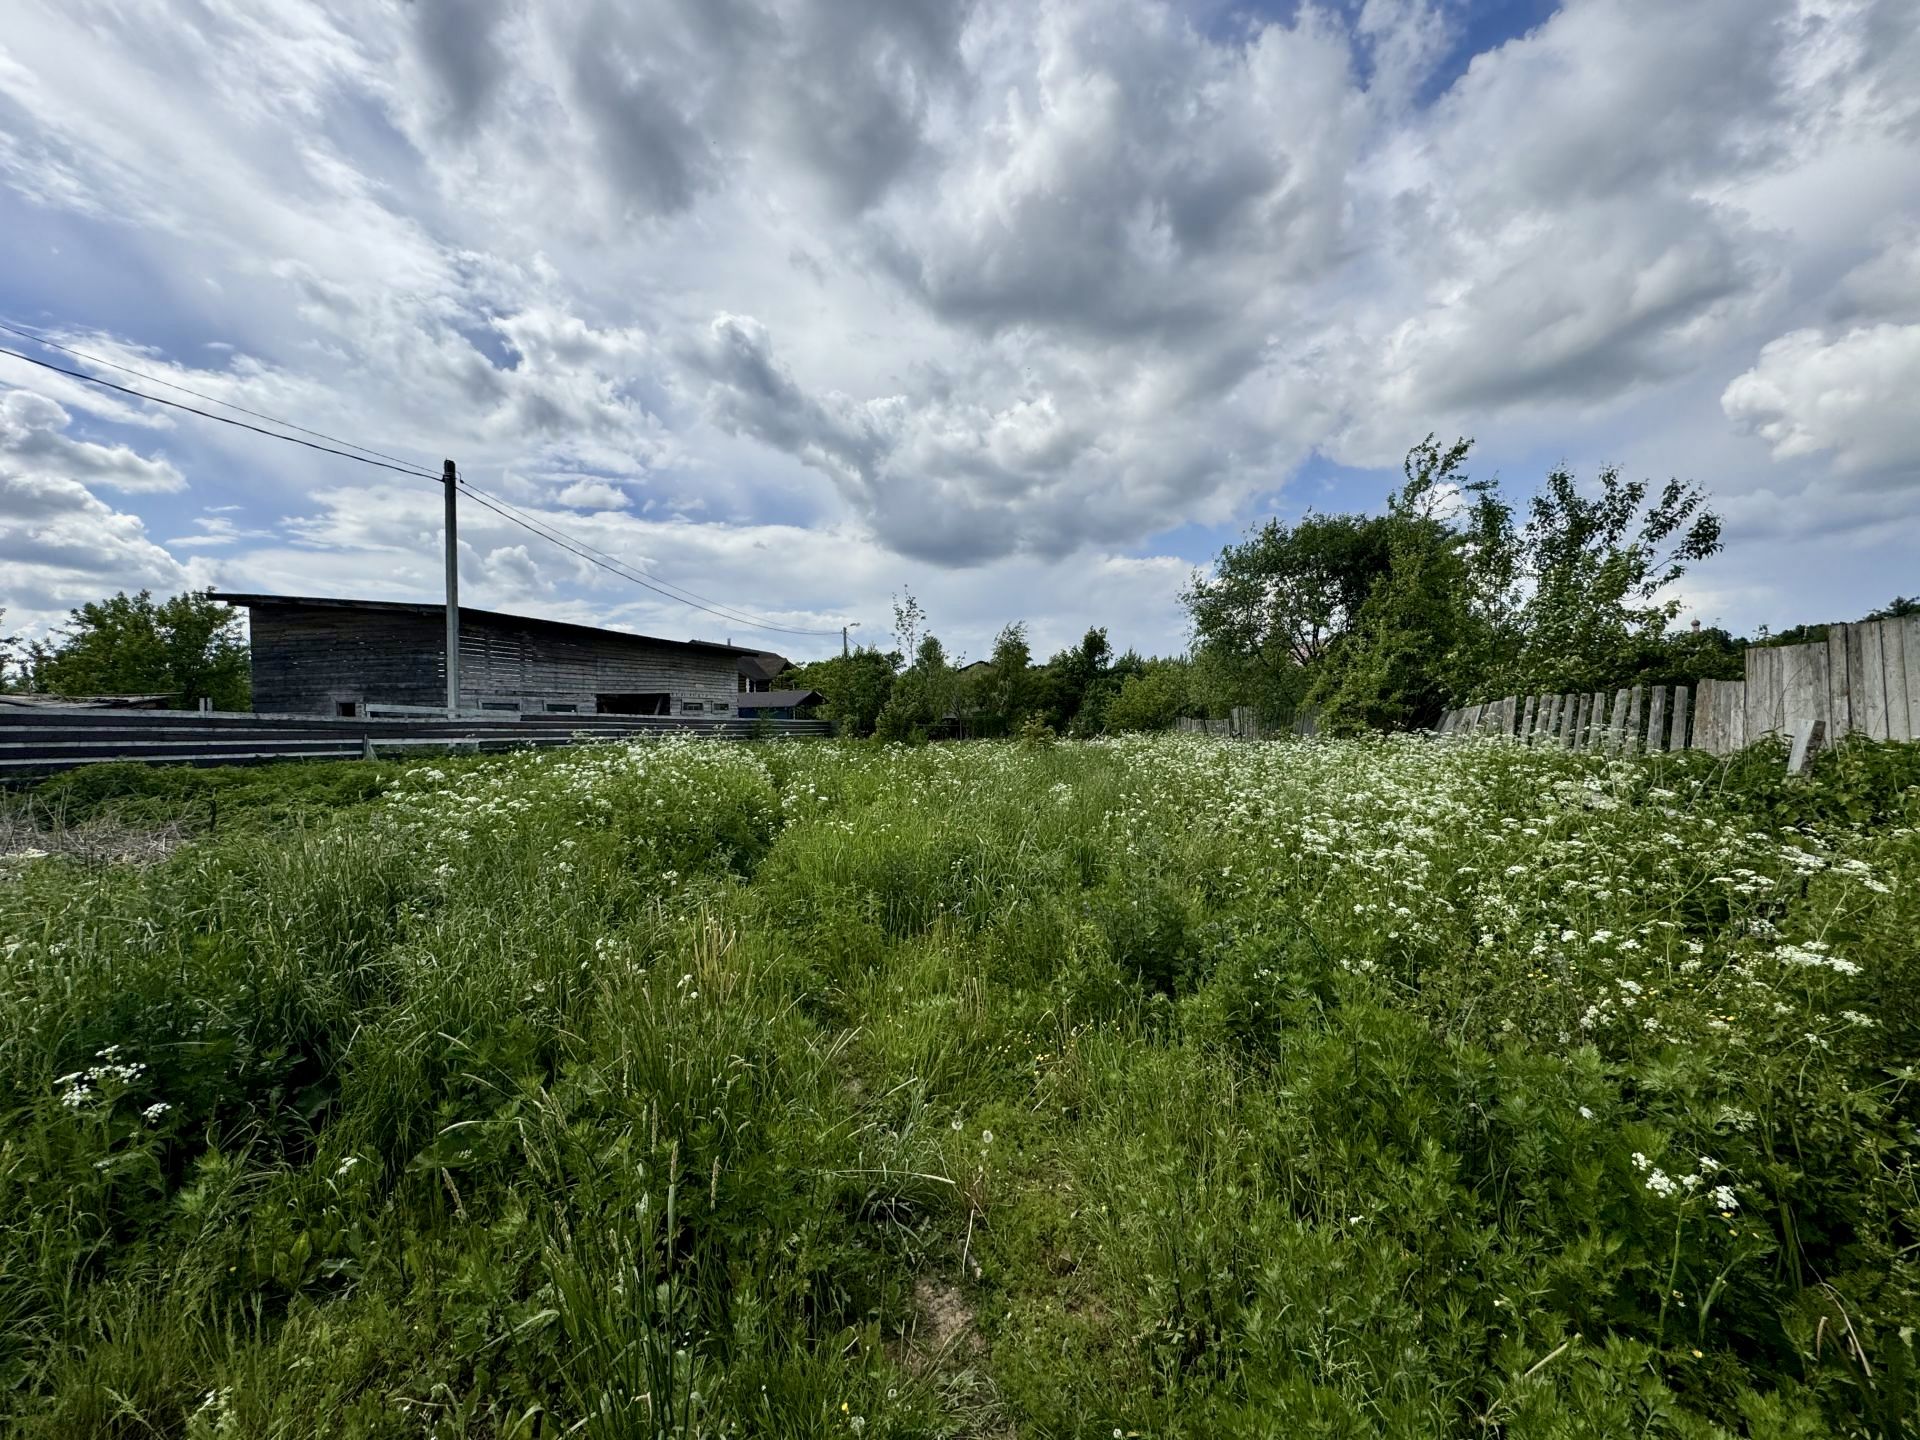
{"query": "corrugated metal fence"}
{"type": "Point", "coordinates": [1862, 679]}
{"type": "Point", "coordinates": [40, 739]}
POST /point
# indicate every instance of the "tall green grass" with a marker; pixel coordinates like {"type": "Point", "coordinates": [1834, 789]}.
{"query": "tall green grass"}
{"type": "Point", "coordinates": [1162, 1087]}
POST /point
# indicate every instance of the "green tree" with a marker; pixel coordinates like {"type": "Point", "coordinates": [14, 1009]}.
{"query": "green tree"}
{"type": "Point", "coordinates": [1002, 692]}
{"type": "Point", "coordinates": [1151, 699]}
{"type": "Point", "coordinates": [1418, 624]}
{"type": "Point", "coordinates": [856, 686]}
{"type": "Point", "coordinates": [1686, 657]}
{"type": "Point", "coordinates": [1288, 592]}
{"type": "Point", "coordinates": [1278, 604]}
{"type": "Point", "coordinates": [189, 646]}
{"type": "Point", "coordinates": [924, 695]}
{"type": "Point", "coordinates": [1595, 569]}
{"type": "Point", "coordinates": [1385, 620]}
{"type": "Point", "coordinates": [1065, 684]}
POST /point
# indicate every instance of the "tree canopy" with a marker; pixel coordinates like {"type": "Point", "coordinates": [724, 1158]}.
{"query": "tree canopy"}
{"type": "Point", "coordinates": [189, 646]}
{"type": "Point", "coordinates": [1386, 620]}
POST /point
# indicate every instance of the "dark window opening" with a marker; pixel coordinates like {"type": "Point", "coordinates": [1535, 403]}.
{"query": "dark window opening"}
{"type": "Point", "coordinates": [512, 705]}
{"type": "Point", "coordinates": [645, 702]}
{"type": "Point", "coordinates": [346, 709]}
{"type": "Point", "coordinates": [721, 707]}
{"type": "Point", "coordinates": [692, 707]}
{"type": "Point", "coordinates": [556, 708]}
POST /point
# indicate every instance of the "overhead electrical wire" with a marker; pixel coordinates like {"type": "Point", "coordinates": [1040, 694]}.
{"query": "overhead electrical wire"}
{"type": "Point", "coordinates": [631, 571]}
{"type": "Point", "coordinates": [209, 415]}
{"type": "Point", "coordinates": [579, 548]}
{"type": "Point", "coordinates": [616, 566]}
{"type": "Point", "coordinates": [202, 395]}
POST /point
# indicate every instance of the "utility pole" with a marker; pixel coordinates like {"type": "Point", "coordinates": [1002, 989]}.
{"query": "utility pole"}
{"type": "Point", "coordinates": [450, 478]}
{"type": "Point", "coordinates": [843, 637]}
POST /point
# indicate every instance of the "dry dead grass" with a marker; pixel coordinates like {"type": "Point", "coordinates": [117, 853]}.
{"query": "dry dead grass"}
{"type": "Point", "coordinates": [29, 831]}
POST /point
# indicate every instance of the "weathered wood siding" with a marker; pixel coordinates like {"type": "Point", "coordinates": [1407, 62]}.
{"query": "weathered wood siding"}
{"type": "Point", "coordinates": [312, 659]}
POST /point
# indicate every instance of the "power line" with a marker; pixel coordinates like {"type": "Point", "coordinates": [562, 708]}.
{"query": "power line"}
{"type": "Point", "coordinates": [593, 556]}
{"type": "Point", "coordinates": [646, 577]}
{"type": "Point", "coordinates": [199, 394]}
{"type": "Point", "coordinates": [620, 568]}
{"type": "Point", "coordinates": [209, 415]}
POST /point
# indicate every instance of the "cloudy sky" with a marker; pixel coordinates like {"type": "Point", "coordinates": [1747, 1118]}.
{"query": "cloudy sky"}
{"type": "Point", "coordinates": [1026, 305]}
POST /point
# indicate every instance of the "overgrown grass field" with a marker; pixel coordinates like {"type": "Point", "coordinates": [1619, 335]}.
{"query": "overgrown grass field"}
{"type": "Point", "coordinates": [1161, 1087]}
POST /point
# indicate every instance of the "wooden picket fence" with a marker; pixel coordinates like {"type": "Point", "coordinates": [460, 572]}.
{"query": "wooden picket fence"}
{"type": "Point", "coordinates": [1863, 679]}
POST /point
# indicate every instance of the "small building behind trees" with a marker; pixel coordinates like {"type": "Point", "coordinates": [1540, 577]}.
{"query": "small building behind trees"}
{"type": "Point", "coordinates": [315, 656]}
{"type": "Point", "coordinates": [779, 704]}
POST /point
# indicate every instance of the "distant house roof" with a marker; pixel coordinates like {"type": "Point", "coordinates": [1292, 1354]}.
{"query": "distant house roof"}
{"type": "Point", "coordinates": [777, 699]}
{"type": "Point", "coordinates": [761, 664]}
{"type": "Point", "coordinates": [409, 607]}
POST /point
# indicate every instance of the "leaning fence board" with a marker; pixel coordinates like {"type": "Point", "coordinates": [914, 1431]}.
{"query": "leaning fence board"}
{"type": "Point", "coordinates": [1569, 718]}
{"type": "Point", "coordinates": [1626, 726]}
{"type": "Point", "coordinates": [1526, 717]}
{"type": "Point", "coordinates": [1681, 695]}
{"type": "Point", "coordinates": [1806, 743]}
{"type": "Point", "coordinates": [1657, 719]}
{"type": "Point", "coordinates": [1596, 722]}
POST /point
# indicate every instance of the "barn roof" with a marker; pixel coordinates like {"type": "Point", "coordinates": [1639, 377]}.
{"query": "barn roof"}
{"type": "Point", "coordinates": [410, 607]}
{"type": "Point", "coordinates": [762, 664]}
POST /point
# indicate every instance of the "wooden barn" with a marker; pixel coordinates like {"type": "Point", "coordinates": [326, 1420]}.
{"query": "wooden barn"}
{"type": "Point", "coordinates": [338, 657]}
